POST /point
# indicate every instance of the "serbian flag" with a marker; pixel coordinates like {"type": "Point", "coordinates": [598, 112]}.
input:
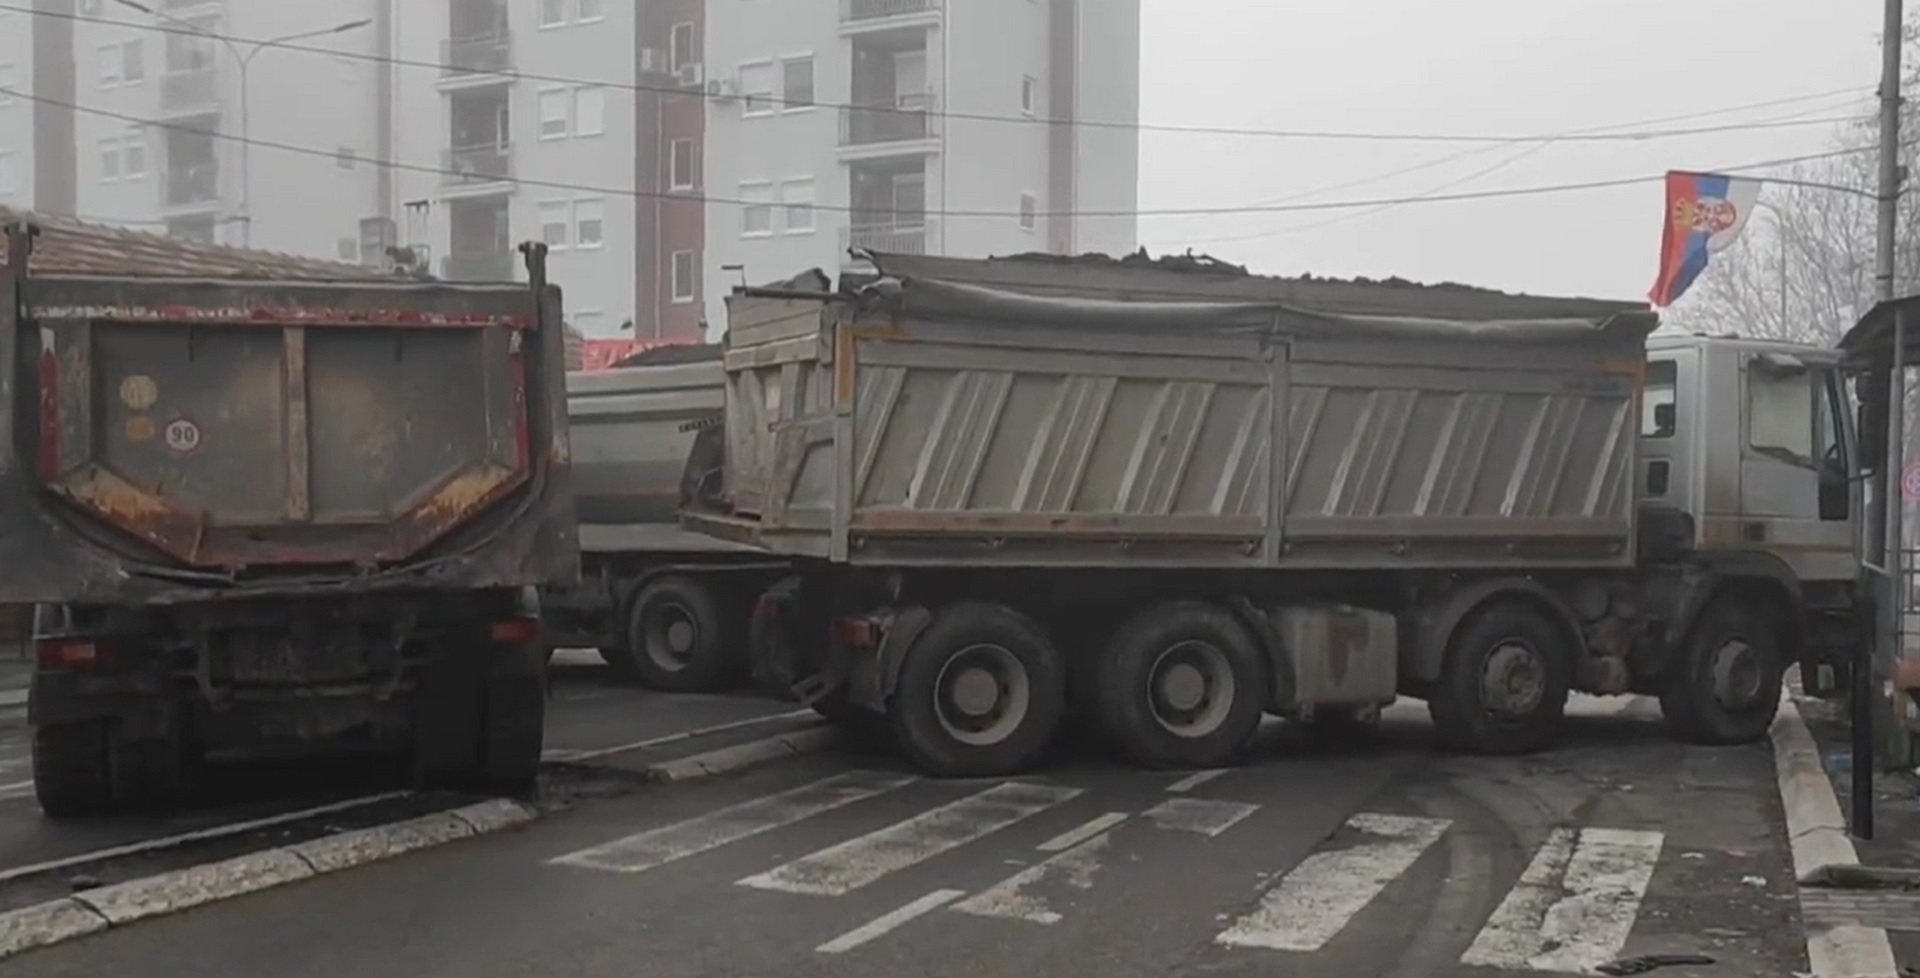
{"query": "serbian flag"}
{"type": "Point", "coordinates": [1705, 213]}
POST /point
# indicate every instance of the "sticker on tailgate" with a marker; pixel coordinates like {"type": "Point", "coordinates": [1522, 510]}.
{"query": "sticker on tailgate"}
{"type": "Point", "coordinates": [182, 435]}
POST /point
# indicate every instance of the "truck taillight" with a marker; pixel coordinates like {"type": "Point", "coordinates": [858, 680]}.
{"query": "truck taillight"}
{"type": "Point", "coordinates": [856, 633]}
{"type": "Point", "coordinates": [67, 653]}
{"type": "Point", "coordinates": [515, 631]}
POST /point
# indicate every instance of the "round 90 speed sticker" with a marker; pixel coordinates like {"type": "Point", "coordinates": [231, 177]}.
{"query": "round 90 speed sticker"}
{"type": "Point", "coordinates": [182, 435]}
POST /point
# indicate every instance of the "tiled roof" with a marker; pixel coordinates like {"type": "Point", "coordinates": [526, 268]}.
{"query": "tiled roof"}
{"type": "Point", "coordinates": [71, 247]}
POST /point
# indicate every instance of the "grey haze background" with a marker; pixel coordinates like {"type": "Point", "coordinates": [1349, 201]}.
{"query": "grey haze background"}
{"type": "Point", "coordinates": [1481, 66]}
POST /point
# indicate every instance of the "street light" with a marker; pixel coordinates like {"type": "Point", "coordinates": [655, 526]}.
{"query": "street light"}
{"type": "Point", "coordinates": [243, 56]}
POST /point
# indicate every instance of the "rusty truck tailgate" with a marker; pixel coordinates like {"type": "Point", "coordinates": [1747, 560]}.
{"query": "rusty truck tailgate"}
{"type": "Point", "coordinates": [236, 425]}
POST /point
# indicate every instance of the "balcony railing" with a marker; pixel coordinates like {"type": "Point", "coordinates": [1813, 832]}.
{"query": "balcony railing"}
{"type": "Point", "coordinates": [189, 90]}
{"type": "Point", "coordinates": [465, 165]}
{"type": "Point", "coordinates": [907, 117]}
{"type": "Point", "coordinates": [483, 54]}
{"type": "Point", "coordinates": [858, 10]}
{"type": "Point", "coordinates": [905, 235]}
{"type": "Point", "coordinates": [192, 186]}
{"type": "Point", "coordinates": [477, 268]}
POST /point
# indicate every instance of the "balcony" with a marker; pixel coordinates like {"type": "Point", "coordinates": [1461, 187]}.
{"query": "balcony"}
{"type": "Point", "coordinates": [479, 60]}
{"type": "Point", "coordinates": [192, 91]}
{"type": "Point", "coordinates": [190, 189]}
{"type": "Point", "coordinates": [903, 236]}
{"type": "Point", "coordinates": [471, 171]}
{"type": "Point", "coordinates": [477, 268]}
{"type": "Point", "coordinates": [174, 6]}
{"type": "Point", "coordinates": [868, 15]}
{"type": "Point", "coordinates": [908, 119]}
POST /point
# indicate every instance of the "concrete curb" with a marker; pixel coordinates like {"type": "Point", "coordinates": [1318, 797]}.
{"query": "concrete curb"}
{"type": "Point", "coordinates": [737, 757]}
{"type": "Point", "coordinates": [92, 911]}
{"type": "Point", "coordinates": [1817, 833]}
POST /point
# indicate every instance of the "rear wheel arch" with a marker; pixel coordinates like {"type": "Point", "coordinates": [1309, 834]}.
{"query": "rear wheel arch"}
{"type": "Point", "coordinates": [1434, 629]}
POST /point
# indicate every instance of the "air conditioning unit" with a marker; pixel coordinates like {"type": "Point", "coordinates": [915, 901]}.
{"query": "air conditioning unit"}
{"type": "Point", "coordinates": [653, 61]}
{"type": "Point", "coordinates": [721, 89]}
{"type": "Point", "coordinates": [692, 74]}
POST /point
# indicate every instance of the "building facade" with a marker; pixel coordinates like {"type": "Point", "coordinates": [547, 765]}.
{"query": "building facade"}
{"type": "Point", "coordinates": [665, 150]}
{"type": "Point", "coordinates": [923, 126]}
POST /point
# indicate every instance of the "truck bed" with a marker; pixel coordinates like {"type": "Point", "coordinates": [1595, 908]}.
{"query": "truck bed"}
{"type": "Point", "coordinates": [176, 438]}
{"type": "Point", "coordinates": [925, 421]}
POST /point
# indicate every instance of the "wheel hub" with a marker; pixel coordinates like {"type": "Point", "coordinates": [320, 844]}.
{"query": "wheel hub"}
{"type": "Point", "coordinates": [1736, 674]}
{"type": "Point", "coordinates": [671, 637]}
{"type": "Point", "coordinates": [981, 695]}
{"type": "Point", "coordinates": [1190, 689]}
{"type": "Point", "coordinates": [1514, 681]}
{"type": "Point", "coordinates": [680, 637]}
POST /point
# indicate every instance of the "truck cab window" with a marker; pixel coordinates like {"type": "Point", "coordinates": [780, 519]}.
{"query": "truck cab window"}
{"type": "Point", "coordinates": [1658, 405]}
{"type": "Point", "coordinates": [1830, 449]}
{"type": "Point", "coordinates": [1780, 406]}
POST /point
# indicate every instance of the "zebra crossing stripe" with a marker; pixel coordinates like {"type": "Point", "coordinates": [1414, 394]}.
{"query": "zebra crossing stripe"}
{"type": "Point", "coordinates": [887, 922]}
{"type": "Point", "coordinates": [1575, 904]}
{"type": "Point", "coordinates": [855, 863]}
{"type": "Point", "coordinates": [1010, 898]}
{"type": "Point", "coordinates": [1313, 902]}
{"type": "Point", "coordinates": [645, 850]}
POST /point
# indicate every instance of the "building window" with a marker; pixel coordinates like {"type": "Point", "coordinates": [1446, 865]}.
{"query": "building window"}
{"type": "Point", "coordinates": [9, 175]}
{"type": "Point", "coordinates": [589, 111]}
{"type": "Point", "coordinates": [589, 222]}
{"type": "Point", "coordinates": [680, 164]}
{"type": "Point", "coordinates": [109, 159]}
{"type": "Point", "coordinates": [685, 284]}
{"type": "Point", "coordinates": [553, 223]}
{"type": "Point", "coordinates": [756, 88]}
{"type": "Point", "coordinates": [796, 89]}
{"type": "Point", "coordinates": [113, 64]}
{"type": "Point", "coordinates": [133, 154]}
{"type": "Point", "coordinates": [553, 13]}
{"type": "Point", "coordinates": [553, 114]}
{"type": "Point", "coordinates": [756, 209]}
{"type": "Point", "coordinates": [133, 62]}
{"type": "Point", "coordinates": [681, 52]}
{"type": "Point", "coordinates": [1029, 212]}
{"type": "Point", "coordinates": [591, 10]}
{"type": "Point", "coordinates": [1029, 95]}
{"type": "Point", "coordinates": [796, 201]}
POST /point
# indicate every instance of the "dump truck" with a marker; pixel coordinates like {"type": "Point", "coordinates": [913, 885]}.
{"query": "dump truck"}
{"type": "Point", "coordinates": [664, 606]}
{"type": "Point", "coordinates": [260, 513]}
{"type": "Point", "coordinates": [1014, 502]}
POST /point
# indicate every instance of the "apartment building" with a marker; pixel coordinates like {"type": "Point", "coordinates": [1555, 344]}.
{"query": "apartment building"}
{"type": "Point", "coordinates": [924, 126]}
{"type": "Point", "coordinates": [36, 137]}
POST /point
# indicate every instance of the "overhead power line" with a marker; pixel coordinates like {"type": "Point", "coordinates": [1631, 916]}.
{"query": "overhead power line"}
{"type": "Point", "coordinates": [1347, 135]}
{"type": "Point", "coordinates": [1532, 191]}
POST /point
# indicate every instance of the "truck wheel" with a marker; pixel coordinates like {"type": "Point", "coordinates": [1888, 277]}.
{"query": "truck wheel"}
{"type": "Point", "coordinates": [513, 733]}
{"type": "Point", "coordinates": [1725, 687]}
{"type": "Point", "coordinates": [70, 770]}
{"type": "Point", "coordinates": [1504, 682]}
{"type": "Point", "coordinates": [680, 640]}
{"type": "Point", "coordinates": [980, 693]}
{"type": "Point", "coordinates": [147, 774]}
{"type": "Point", "coordinates": [1182, 685]}
{"type": "Point", "coordinates": [448, 719]}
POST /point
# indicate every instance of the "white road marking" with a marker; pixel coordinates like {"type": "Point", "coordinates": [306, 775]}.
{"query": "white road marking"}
{"type": "Point", "coordinates": [568, 756]}
{"type": "Point", "coordinates": [1198, 815]}
{"type": "Point", "coordinates": [216, 832]}
{"type": "Point", "coordinates": [1075, 836]}
{"type": "Point", "coordinates": [18, 789]}
{"type": "Point", "coordinates": [1009, 897]}
{"type": "Point", "coordinates": [888, 921]}
{"type": "Point", "coordinates": [1313, 902]}
{"type": "Point", "coordinates": [857, 862]}
{"type": "Point", "coordinates": [1195, 780]}
{"type": "Point", "coordinates": [645, 850]}
{"type": "Point", "coordinates": [1575, 905]}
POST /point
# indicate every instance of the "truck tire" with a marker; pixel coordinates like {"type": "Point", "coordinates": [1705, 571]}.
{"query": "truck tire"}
{"type": "Point", "coordinates": [448, 720]}
{"type": "Point", "coordinates": [147, 774]}
{"type": "Point", "coordinates": [1504, 682]}
{"type": "Point", "coordinates": [1725, 687]}
{"type": "Point", "coordinates": [513, 733]}
{"type": "Point", "coordinates": [681, 640]}
{"type": "Point", "coordinates": [1182, 685]}
{"type": "Point", "coordinates": [71, 774]}
{"type": "Point", "coordinates": [980, 693]}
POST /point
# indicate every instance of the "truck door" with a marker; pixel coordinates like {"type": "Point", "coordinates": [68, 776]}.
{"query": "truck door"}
{"type": "Point", "coordinates": [1793, 449]}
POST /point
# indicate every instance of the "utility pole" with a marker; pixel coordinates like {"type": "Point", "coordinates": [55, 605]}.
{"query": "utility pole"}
{"type": "Point", "coordinates": [1886, 718]}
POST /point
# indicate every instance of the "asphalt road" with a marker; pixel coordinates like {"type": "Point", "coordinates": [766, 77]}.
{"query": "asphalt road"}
{"type": "Point", "coordinates": [590, 716]}
{"type": "Point", "coordinates": [1316, 859]}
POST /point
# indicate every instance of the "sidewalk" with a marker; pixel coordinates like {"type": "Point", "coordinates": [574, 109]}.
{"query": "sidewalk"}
{"type": "Point", "coordinates": [1886, 893]}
